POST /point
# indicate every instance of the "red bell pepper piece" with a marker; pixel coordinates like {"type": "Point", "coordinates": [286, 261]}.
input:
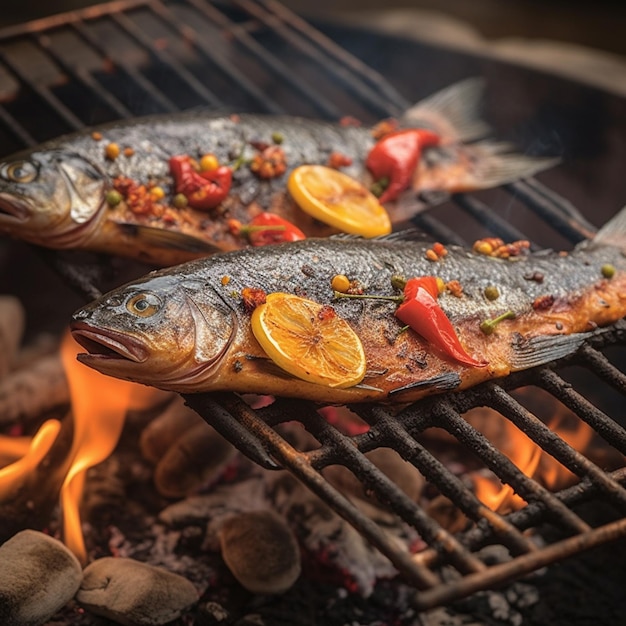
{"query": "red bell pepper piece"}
{"type": "Point", "coordinates": [203, 190]}
{"type": "Point", "coordinates": [421, 312]}
{"type": "Point", "coordinates": [395, 157]}
{"type": "Point", "coordinates": [267, 228]}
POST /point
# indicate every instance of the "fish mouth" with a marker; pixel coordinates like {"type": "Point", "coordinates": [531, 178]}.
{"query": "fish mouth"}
{"type": "Point", "coordinates": [12, 209]}
{"type": "Point", "coordinates": [107, 345]}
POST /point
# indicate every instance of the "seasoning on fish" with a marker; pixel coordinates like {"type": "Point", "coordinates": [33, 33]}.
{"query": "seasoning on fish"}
{"type": "Point", "coordinates": [55, 195]}
{"type": "Point", "coordinates": [186, 329]}
{"type": "Point", "coordinates": [338, 200]}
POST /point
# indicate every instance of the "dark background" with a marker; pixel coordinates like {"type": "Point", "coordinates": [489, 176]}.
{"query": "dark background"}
{"type": "Point", "coordinates": [598, 24]}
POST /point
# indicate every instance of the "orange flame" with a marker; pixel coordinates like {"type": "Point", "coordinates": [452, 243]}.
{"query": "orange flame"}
{"type": "Point", "coordinates": [99, 405]}
{"type": "Point", "coordinates": [29, 453]}
{"type": "Point", "coordinates": [530, 458]}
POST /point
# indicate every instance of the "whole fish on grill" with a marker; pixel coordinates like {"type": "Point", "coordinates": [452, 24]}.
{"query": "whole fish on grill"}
{"type": "Point", "coordinates": [187, 328]}
{"type": "Point", "coordinates": [62, 195]}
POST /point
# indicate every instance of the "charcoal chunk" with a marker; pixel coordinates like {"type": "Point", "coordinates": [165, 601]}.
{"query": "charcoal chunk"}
{"type": "Point", "coordinates": [38, 576]}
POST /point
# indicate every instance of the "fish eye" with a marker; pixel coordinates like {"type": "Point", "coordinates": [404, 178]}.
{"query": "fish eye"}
{"type": "Point", "coordinates": [144, 304]}
{"type": "Point", "coordinates": [20, 172]}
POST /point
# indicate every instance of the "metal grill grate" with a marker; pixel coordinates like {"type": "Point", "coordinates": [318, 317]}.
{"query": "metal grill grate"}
{"type": "Point", "coordinates": [137, 57]}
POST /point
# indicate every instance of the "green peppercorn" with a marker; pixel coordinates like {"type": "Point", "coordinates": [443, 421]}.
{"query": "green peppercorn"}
{"type": "Point", "coordinates": [180, 201]}
{"type": "Point", "coordinates": [608, 270]}
{"type": "Point", "coordinates": [278, 138]}
{"type": "Point", "coordinates": [113, 198]}
{"type": "Point", "coordinates": [491, 292]}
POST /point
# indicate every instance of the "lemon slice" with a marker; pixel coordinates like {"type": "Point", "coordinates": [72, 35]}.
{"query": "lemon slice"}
{"type": "Point", "coordinates": [338, 200]}
{"type": "Point", "coordinates": [309, 340]}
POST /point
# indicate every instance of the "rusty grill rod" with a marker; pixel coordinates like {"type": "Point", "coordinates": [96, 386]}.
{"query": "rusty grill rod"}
{"type": "Point", "coordinates": [604, 425]}
{"type": "Point", "coordinates": [83, 31]}
{"type": "Point", "coordinates": [43, 93]}
{"type": "Point", "coordinates": [448, 418]}
{"type": "Point", "coordinates": [209, 52]}
{"type": "Point", "coordinates": [549, 441]}
{"type": "Point", "coordinates": [394, 435]}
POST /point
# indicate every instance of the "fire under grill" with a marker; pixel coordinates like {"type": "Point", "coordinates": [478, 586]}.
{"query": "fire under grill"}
{"type": "Point", "coordinates": [140, 57]}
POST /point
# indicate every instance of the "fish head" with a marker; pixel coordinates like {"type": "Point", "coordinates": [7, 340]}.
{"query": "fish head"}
{"type": "Point", "coordinates": [50, 197]}
{"type": "Point", "coordinates": [161, 331]}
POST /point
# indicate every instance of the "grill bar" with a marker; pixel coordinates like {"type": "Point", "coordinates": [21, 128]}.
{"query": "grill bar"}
{"type": "Point", "coordinates": [250, 32]}
{"type": "Point", "coordinates": [600, 422]}
{"type": "Point", "coordinates": [551, 442]}
{"type": "Point", "coordinates": [135, 77]}
{"type": "Point", "coordinates": [163, 57]}
{"type": "Point", "coordinates": [448, 484]}
{"type": "Point", "coordinates": [84, 78]}
{"type": "Point", "coordinates": [43, 93]}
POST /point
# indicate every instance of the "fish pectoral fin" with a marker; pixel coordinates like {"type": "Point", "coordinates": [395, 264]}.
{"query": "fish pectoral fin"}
{"type": "Point", "coordinates": [169, 239]}
{"type": "Point", "coordinates": [537, 351]}
{"type": "Point", "coordinates": [442, 382]}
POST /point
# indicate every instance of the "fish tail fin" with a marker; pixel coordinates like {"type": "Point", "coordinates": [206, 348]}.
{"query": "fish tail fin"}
{"type": "Point", "coordinates": [481, 165]}
{"type": "Point", "coordinates": [453, 113]}
{"type": "Point", "coordinates": [613, 233]}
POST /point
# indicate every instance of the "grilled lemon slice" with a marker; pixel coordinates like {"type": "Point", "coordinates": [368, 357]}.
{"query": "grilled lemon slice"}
{"type": "Point", "coordinates": [338, 200]}
{"type": "Point", "coordinates": [309, 340]}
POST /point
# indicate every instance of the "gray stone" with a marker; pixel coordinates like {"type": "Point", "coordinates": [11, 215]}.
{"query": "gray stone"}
{"type": "Point", "coordinates": [38, 576]}
{"type": "Point", "coordinates": [261, 551]}
{"type": "Point", "coordinates": [133, 593]}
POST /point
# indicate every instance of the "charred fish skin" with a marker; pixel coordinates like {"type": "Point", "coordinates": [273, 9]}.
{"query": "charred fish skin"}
{"type": "Point", "coordinates": [196, 329]}
{"type": "Point", "coordinates": [55, 196]}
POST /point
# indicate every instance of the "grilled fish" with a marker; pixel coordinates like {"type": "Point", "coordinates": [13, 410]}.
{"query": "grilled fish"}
{"type": "Point", "coordinates": [59, 194]}
{"type": "Point", "coordinates": [186, 328]}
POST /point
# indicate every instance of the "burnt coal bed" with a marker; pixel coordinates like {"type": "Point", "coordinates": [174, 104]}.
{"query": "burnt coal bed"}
{"type": "Point", "coordinates": [343, 579]}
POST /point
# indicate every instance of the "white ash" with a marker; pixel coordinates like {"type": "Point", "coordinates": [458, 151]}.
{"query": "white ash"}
{"type": "Point", "coordinates": [39, 576]}
{"type": "Point", "coordinates": [134, 593]}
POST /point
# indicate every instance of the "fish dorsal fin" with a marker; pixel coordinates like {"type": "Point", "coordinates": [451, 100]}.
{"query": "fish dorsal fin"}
{"type": "Point", "coordinates": [453, 112]}
{"type": "Point", "coordinates": [613, 233]}
{"type": "Point", "coordinates": [537, 351]}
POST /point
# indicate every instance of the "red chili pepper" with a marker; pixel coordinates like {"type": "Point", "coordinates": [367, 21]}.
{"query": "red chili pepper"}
{"type": "Point", "coordinates": [395, 157]}
{"type": "Point", "coordinates": [267, 228]}
{"type": "Point", "coordinates": [203, 190]}
{"type": "Point", "coordinates": [421, 312]}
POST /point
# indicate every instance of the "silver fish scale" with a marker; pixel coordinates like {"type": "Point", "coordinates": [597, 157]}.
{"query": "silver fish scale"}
{"type": "Point", "coordinates": [307, 267]}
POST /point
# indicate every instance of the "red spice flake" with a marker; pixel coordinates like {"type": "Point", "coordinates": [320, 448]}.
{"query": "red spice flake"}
{"type": "Point", "coordinates": [252, 297]}
{"type": "Point", "coordinates": [234, 227]}
{"type": "Point", "coordinates": [259, 145]}
{"type": "Point", "coordinates": [487, 245]}
{"type": "Point", "coordinates": [138, 198]}
{"type": "Point", "coordinates": [495, 247]}
{"type": "Point", "coordinates": [234, 118]}
{"type": "Point", "coordinates": [356, 287]}
{"type": "Point", "coordinates": [455, 288]}
{"type": "Point", "coordinates": [515, 248]}
{"type": "Point", "coordinates": [337, 160]}
{"type": "Point", "coordinates": [384, 128]}
{"type": "Point", "coordinates": [326, 313]}
{"type": "Point", "coordinates": [96, 136]}
{"type": "Point", "coordinates": [543, 302]}
{"type": "Point", "coordinates": [269, 163]}
{"type": "Point", "coordinates": [128, 152]}
{"type": "Point", "coordinates": [225, 280]}
{"type": "Point", "coordinates": [439, 249]}
{"type": "Point", "coordinates": [348, 120]}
